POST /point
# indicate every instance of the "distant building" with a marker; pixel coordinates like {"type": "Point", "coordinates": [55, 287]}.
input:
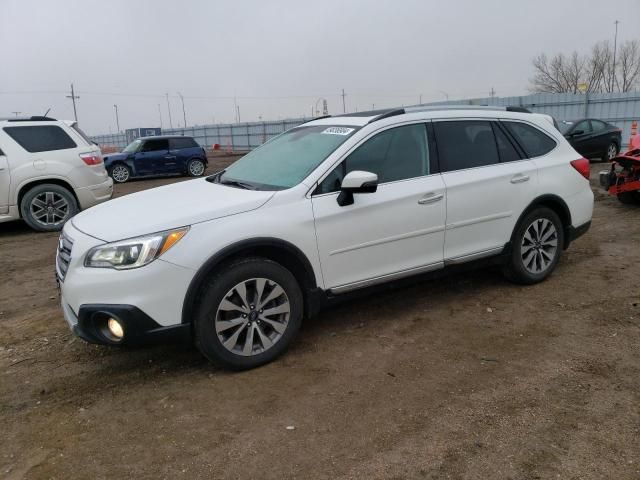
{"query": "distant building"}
{"type": "Point", "coordinates": [133, 133]}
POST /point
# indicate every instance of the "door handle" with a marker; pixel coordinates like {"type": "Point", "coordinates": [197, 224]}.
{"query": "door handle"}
{"type": "Point", "coordinates": [520, 179]}
{"type": "Point", "coordinates": [431, 198]}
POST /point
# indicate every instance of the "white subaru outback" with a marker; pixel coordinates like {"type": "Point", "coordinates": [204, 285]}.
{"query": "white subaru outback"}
{"type": "Point", "coordinates": [235, 261]}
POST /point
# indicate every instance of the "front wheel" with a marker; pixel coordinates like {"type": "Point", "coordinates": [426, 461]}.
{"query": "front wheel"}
{"type": "Point", "coordinates": [195, 167]}
{"type": "Point", "coordinates": [248, 314]}
{"type": "Point", "coordinates": [536, 247]}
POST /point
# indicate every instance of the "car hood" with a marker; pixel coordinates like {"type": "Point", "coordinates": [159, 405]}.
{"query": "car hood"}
{"type": "Point", "coordinates": [163, 208]}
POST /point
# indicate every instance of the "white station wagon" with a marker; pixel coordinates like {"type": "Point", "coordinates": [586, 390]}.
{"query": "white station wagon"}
{"type": "Point", "coordinates": [235, 261]}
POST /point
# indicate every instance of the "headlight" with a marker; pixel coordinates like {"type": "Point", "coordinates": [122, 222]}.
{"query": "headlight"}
{"type": "Point", "coordinates": [134, 252]}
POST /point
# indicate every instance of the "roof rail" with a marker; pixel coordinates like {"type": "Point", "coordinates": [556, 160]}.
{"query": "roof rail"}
{"type": "Point", "coordinates": [390, 113]}
{"type": "Point", "coordinates": [313, 119]}
{"type": "Point", "coordinates": [429, 108]}
{"type": "Point", "coordinates": [34, 118]}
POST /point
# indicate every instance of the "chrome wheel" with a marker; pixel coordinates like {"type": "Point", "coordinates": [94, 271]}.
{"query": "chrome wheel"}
{"type": "Point", "coordinates": [539, 246]}
{"type": "Point", "coordinates": [252, 316]}
{"type": "Point", "coordinates": [120, 173]}
{"type": "Point", "coordinates": [612, 151]}
{"type": "Point", "coordinates": [49, 209]}
{"type": "Point", "coordinates": [196, 168]}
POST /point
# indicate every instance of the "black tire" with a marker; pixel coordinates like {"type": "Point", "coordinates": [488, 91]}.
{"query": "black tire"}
{"type": "Point", "coordinates": [613, 145]}
{"type": "Point", "coordinates": [196, 167]}
{"type": "Point", "coordinates": [122, 173]}
{"type": "Point", "coordinates": [629, 198]}
{"type": "Point", "coordinates": [515, 269]}
{"type": "Point", "coordinates": [46, 207]}
{"type": "Point", "coordinates": [214, 292]}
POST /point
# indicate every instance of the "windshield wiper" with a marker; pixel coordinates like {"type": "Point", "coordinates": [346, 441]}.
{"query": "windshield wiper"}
{"type": "Point", "coordinates": [217, 178]}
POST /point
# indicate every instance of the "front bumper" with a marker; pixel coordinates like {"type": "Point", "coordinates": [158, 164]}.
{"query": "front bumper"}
{"type": "Point", "coordinates": [95, 194]}
{"type": "Point", "coordinates": [139, 329]}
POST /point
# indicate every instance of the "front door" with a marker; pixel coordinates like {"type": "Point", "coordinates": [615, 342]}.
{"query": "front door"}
{"type": "Point", "coordinates": [150, 159]}
{"type": "Point", "coordinates": [583, 142]}
{"type": "Point", "coordinates": [396, 231]}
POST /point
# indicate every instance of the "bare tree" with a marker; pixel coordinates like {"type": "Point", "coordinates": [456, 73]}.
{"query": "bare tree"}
{"type": "Point", "coordinates": [595, 71]}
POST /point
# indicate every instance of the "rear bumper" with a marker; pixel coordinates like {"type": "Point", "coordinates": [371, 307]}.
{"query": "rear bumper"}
{"type": "Point", "coordinates": [139, 329]}
{"type": "Point", "coordinates": [94, 194]}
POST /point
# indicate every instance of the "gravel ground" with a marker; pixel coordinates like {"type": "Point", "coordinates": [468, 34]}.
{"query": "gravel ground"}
{"type": "Point", "coordinates": [467, 377]}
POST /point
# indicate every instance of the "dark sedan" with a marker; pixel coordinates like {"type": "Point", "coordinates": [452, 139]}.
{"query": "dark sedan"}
{"type": "Point", "coordinates": [150, 156]}
{"type": "Point", "coordinates": [592, 138]}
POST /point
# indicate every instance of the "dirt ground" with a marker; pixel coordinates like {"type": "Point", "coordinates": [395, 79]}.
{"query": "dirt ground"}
{"type": "Point", "coordinates": [468, 377]}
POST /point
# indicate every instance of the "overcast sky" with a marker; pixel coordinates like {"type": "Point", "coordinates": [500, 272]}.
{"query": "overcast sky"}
{"type": "Point", "coordinates": [278, 57]}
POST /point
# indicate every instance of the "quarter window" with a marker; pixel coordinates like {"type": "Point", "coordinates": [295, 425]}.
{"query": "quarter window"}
{"type": "Point", "coordinates": [178, 143]}
{"type": "Point", "coordinates": [395, 154]}
{"type": "Point", "coordinates": [533, 141]}
{"type": "Point", "coordinates": [41, 138]}
{"type": "Point", "coordinates": [465, 144]}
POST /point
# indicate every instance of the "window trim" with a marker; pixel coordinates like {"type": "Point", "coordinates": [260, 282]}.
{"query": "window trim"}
{"type": "Point", "coordinates": [521, 153]}
{"type": "Point", "coordinates": [526, 157]}
{"type": "Point", "coordinates": [434, 167]}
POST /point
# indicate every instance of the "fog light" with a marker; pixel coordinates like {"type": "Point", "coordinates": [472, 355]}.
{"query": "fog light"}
{"type": "Point", "coordinates": [115, 328]}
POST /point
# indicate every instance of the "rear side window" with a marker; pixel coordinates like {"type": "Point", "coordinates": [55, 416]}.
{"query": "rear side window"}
{"type": "Point", "coordinates": [533, 141]}
{"type": "Point", "coordinates": [41, 138]}
{"type": "Point", "coordinates": [178, 143]}
{"type": "Point", "coordinates": [82, 134]}
{"type": "Point", "coordinates": [465, 144]}
{"type": "Point", "coordinates": [155, 145]}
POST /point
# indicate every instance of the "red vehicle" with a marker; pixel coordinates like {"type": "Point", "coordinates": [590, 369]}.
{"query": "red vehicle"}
{"type": "Point", "coordinates": [623, 179]}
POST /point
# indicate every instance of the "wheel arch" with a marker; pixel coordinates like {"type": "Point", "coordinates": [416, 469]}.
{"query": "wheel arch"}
{"type": "Point", "coordinates": [42, 181]}
{"type": "Point", "coordinates": [555, 203]}
{"type": "Point", "coordinates": [277, 250]}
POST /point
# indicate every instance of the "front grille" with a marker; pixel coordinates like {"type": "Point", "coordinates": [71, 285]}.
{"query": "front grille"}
{"type": "Point", "coordinates": [65, 244]}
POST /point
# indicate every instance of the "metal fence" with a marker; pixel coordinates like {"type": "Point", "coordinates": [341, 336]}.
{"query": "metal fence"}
{"type": "Point", "coordinates": [617, 108]}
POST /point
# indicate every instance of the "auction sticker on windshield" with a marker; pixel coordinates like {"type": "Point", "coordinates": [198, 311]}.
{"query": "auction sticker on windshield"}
{"type": "Point", "coordinates": [338, 131]}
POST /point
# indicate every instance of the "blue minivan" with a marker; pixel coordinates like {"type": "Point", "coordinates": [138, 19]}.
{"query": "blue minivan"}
{"type": "Point", "coordinates": [161, 155]}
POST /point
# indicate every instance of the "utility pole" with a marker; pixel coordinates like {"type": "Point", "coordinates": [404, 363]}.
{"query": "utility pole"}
{"type": "Point", "coordinates": [73, 98]}
{"type": "Point", "coordinates": [420, 102]}
{"type": "Point", "coordinates": [615, 46]}
{"type": "Point", "coordinates": [117, 120]}
{"type": "Point", "coordinates": [238, 111]}
{"type": "Point", "coordinates": [344, 107]}
{"type": "Point", "coordinates": [169, 110]}
{"type": "Point", "coordinates": [18, 113]}
{"type": "Point", "coordinates": [492, 93]}
{"type": "Point", "coordinates": [184, 114]}
{"type": "Point", "coordinates": [160, 115]}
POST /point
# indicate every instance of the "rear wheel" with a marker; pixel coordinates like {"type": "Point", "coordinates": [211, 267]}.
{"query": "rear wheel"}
{"type": "Point", "coordinates": [195, 167]}
{"type": "Point", "coordinates": [536, 247]}
{"type": "Point", "coordinates": [248, 314]}
{"type": "Point", "coordinates": [630, 198]}
{"type": "Point", "coordinates": [47, 207]}
{"type": "Point", "coordinates": [120, 173]}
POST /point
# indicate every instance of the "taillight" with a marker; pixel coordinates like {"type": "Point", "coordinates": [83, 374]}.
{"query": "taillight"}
{"type": "Point", "coordinates": [91, 158]}
{"type": "Point", "coordinates": [583, 167]}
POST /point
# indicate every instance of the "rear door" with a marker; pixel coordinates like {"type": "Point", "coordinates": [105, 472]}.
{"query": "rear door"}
{"type": "Point", "coordinates": [151, 159]}
{"type": "Point", "coordinates": [180, 151]}
{"type": "Point", "coordinates": [488, 185]}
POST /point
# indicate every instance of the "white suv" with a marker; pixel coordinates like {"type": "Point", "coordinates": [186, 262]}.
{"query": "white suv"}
{"type": "Point", "coordinates": [237, 260]}
{"type": "Point", "coordinates": [49, 170]}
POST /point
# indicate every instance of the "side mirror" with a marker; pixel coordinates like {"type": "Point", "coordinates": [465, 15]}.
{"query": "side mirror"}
{"type": "Point", "coordinates": [576, 133]}
{"type": "Point", "coordinates": [356, 182]}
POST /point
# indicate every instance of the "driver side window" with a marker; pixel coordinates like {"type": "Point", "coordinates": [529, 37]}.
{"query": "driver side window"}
{"type": "Point", "coordinates": [584, 125]}
{"type": "Point", "coordinates": [395, 154]}
{"type": "Point", "coordinates": [155, 145]}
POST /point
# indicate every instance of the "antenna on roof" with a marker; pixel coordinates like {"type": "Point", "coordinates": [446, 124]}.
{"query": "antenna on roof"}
{"type": "Point", "coordinates": [45, 113]}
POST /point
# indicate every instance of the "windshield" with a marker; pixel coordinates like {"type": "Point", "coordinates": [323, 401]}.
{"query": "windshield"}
{"type": "Point", "coordinates": [564, 126]}
{"type": "Point", "coordinates": [286, 160]}
{"type": "Point", "coordinates": [132, 147]}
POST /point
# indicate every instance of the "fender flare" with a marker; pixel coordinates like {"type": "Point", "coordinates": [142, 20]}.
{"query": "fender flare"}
{"type": "Point", "coordinates": [555, 203]}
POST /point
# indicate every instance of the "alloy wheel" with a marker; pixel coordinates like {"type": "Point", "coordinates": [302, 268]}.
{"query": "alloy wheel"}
{"type": "Point", "coordinates": [120, 173]}
{"type": "Point", "coordinates": [196, 168]}
{"type": "Point", "coordinates": [539, 245]}
{"type": "Point", "coordinates": [49, 208]}
{"type": "Point", "coordinates": [612, 151]}
{"type": "Point", "coordinates": [252, 316]}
